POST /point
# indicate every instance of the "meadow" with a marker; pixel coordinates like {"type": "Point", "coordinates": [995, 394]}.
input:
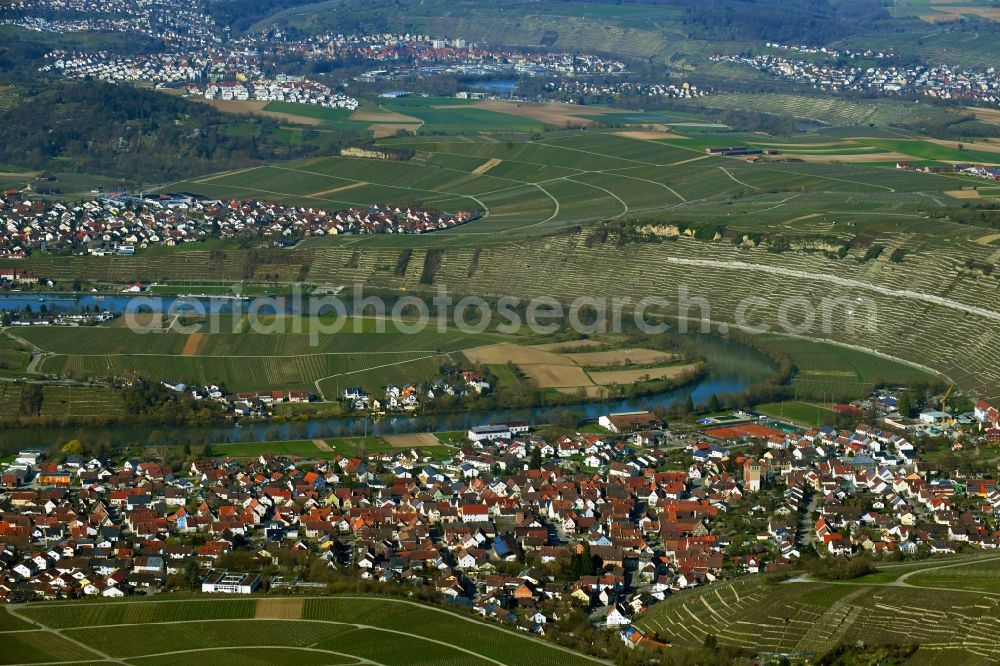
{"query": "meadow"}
{"type": "Point", "coordinates": [798, 411]}
{"type": "Point", "coordinates": [347, 630]}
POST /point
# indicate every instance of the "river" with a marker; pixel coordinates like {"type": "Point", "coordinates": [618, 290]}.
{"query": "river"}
{"type": "Point", "coordinates": [732, 368]}
{"type": "Point", "coordinates": [117, 303]}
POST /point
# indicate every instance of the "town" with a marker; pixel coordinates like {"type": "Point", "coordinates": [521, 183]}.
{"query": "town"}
{"type": "Point", "coordinates": [921, 80]}
{"type": "Point", "coordinates": [512, 524]}
{"type": "Point", "coordinates": [120, 223]}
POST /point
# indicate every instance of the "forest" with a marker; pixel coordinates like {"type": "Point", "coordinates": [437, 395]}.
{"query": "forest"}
{"type": "Point", "coordinates": [100, 128]}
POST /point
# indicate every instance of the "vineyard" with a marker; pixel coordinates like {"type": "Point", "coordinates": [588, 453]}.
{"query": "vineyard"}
{"type": "Point", "coordinates": [531, 241]}
{"type": "Point", "coordinates": [808, 618]}
{"type": "Point", "coordinates": [253, 361]}
{"type": "Point", "coordinates": [826, 110]}
{"type": "Point", "coordinates": [349, 630]}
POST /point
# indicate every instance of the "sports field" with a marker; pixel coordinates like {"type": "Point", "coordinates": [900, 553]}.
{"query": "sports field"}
{"type": "Point", "coordinates": [336, 630]}
{"type": "Point", "coordinates": [947, 607]}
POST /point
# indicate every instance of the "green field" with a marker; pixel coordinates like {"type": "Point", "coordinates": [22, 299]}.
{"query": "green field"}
{"type": "Point", "coordinates": [337, 630]}
{"type": "Point", "coordinates": [954, 625]}
{"type": "Point", "coordinates": [798, 411]}
{"type": "Point", "coordinates": [298, 449]}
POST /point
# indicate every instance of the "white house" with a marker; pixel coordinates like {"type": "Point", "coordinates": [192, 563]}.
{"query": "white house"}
{"type": "Point", "coordinates": [225, 582]}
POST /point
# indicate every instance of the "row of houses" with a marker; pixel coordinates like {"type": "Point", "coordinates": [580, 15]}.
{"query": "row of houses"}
{"type": "Point", "coordinates": [179, 23]}
{"type": "Point", "coordinates": [283, 89]}
{"type": "Point", "coordinates": [408, 396]}
{"type": "Point", "coordinates": [977, 170]}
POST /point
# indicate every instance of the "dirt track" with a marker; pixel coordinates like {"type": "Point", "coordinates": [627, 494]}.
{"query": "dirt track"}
{"type": "Point", "coordinates": [342, 188]}
{"type": "Point", "coordinates": [382, 116]}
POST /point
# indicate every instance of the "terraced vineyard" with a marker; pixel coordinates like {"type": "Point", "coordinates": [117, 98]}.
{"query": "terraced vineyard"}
{"type": "Point", "coordinates": [807, 618]}
{"type": "Point", "coordinates": [344, 630]}
{"type": "Point", "coordinates": [527, 244]}
{"type": "Point", "coordinates": [826, 110]}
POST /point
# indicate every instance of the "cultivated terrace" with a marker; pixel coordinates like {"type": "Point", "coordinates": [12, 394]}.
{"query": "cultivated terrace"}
{"type": "Point", "coordinates": [520, 527]}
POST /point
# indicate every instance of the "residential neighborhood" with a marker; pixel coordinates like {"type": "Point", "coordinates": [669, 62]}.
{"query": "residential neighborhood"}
{"type": "Point", "coordinates": [511, 524]}
{"type": "Point", "coordinates": [827, 74]}
{"type": "Point", "coordinates": [120, 223]}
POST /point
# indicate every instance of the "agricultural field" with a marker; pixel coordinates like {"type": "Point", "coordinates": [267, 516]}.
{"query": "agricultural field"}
{"type": "Point", "coordinates": [269, 359]}
{"type": "Point", "coordinates": [528, 187]}
{"type": "Point", "coordinates": [589, 372]}
{"type": "Point", "coordinates": [335, 630]}
{"type": "Point", "coordinates": [14, 357]}
{"type": "Point", "coordinates": [324, 448]}
{"type": "Point", "coordinates": [912, 604]}
{"type": "Point", "coordinates": [940, 11]}
{"type": "Point", "coordinates": [874, 231]}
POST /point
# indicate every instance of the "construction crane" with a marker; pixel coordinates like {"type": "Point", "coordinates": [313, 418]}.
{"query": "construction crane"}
{"type": "Point", "coordinates": [944, 400]}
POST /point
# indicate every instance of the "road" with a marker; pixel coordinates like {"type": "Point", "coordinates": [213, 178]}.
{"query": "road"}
{"type": "Point", "coordinates": [901, 581]}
